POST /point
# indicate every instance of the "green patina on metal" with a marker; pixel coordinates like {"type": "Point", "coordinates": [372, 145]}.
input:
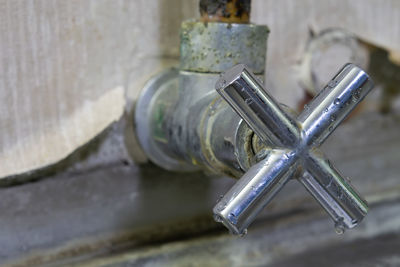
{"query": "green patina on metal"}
{"type": "Point", "coordinates": [215, 47]}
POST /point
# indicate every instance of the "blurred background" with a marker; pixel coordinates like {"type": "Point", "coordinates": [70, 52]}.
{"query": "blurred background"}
{"type": "Point", "coordinates": [76, 188]}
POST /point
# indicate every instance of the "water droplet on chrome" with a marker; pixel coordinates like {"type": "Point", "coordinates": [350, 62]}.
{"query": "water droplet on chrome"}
{"type": "Point", "coordinates": [332, 83]}
{"type": "Point", "coordinates": [248, 101]}
{"type": "Point", "coordinates": [356, 95]}
{"type": "Point", "coordinates": [339, 227]}
{"type": "Point", "coordinates": [222, 84]}
{"type": "Point", "coordinates": [337, 101]}
{"type": "Point", "coordinates": [243, 233]}
{"type": "Point", "coordinates": [217, 218]}
{"type": "Point", "coordinates": [221, 206]}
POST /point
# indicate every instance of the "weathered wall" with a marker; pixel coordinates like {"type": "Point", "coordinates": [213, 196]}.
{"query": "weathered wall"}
{"type": "Point", "coordinates": [67, 68]}
{"type": "Point", "coordinates": [290, 21]}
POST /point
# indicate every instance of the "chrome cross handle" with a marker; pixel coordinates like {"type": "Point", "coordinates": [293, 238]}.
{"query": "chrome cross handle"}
{"type": "Point", "coordinates": [295, 152]}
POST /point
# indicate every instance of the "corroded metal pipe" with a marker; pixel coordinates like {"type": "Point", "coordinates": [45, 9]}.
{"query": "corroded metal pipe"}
{"type": "Point", "coordinates": [229, 11]}
{"type": "Point", "coordinates": [182, 122]}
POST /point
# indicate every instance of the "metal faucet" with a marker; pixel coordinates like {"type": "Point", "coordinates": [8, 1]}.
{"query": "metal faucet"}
{"type": "Point", "coordinates": [184, 124]}
{"type": "Point", "coordinates": [295, 151]}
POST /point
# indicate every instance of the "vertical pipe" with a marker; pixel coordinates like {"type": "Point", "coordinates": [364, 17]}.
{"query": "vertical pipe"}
{"type": "Point", "coordinates": [230, 11]}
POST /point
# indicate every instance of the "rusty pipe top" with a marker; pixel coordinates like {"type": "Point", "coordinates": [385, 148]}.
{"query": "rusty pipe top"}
{"type": "Point", "coordinates": [229, 11]}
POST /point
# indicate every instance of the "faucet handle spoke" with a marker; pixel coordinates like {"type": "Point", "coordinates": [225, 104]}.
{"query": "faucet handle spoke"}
{"type": "Point", "coordinates": [335, 194]}
{"type": "Point", "coordinates": [257, 187]}
{"type": "Point", "coordinates": [247, 96]}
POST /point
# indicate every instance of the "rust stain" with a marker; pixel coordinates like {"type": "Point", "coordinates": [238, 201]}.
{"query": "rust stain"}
{"type": "Point", "coordinates": [229, 11]}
